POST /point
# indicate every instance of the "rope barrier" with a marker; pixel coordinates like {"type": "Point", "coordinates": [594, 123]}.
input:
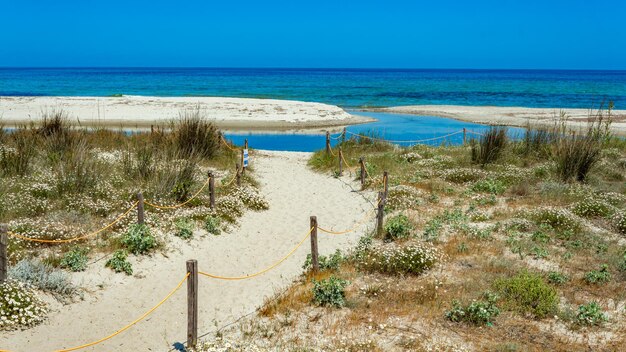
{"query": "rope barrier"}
{"type": "Point", "coordinates": [331, 152]}
{"type": "Point", "coordinates": [79, 237]}
{"type": "Point", "coordinates": [143, 316]}
{"type": "Point", "coordinates": [213, 276]}
{"type": "Point", "coordinates": [477, 133]}
{"type": "Point", "coordinates": [406, 141]}
{"type": "Point", "coordinates": [358, 224]}
{"type": "Point", "coordinates": [346, 162]}
{"type": "Point", "coordinates": [226, 143]}
{"type": "Point", "coordinates": [183, 203]}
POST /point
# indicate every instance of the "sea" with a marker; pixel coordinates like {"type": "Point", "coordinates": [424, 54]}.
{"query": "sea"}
{"type": "Point", "coordinates": [351, 89]}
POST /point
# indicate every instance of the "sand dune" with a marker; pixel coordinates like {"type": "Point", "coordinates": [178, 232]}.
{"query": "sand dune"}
{"type": "Point", "coordinates": [141, 111]}
{"type": "Point", "coordinates": [113, 300]}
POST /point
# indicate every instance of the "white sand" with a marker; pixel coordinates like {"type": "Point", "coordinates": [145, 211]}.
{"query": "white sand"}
{"type": "Point", "coordinates": [144, 111]}
{"type": "Point", "coordinates": [294, 193]}
{"type": "Point", "coordinates": [512, 116]}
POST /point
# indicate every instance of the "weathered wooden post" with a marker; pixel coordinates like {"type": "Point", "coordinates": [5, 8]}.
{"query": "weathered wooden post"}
{"type": "Point", "coordinates": [464, 135]}
{"type": "Point", "coordinates": [327, 143]}
{"type": "Point", "coordinates": [192, 303]}
{"type": "Point", "coordinates": [211, 190]}
{"type": "Point", "coordinates": [386, 184]}
{"type": "Point", "coordinates": [4, 260]}
{"type": "Point", "coordinates": [243, 164]}
{"type": "Point", "coordinates": [314, 252]}
{"type": "Point", "coordinates": [379, 216]}
{"type": "Point", "coordinates": [238, 174]}
{"type": "Point", "coordinates": [343, 134]}
{"type": "Point", "coordinates": [362, 163]}
{"type": "Point", "coordinates": [140, 210]}
{"type": "Point", "coordinates": [340, 162]}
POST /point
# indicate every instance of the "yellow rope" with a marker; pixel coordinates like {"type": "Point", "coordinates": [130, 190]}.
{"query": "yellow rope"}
{"type": "Point", "coordinates": [132, 323]}
{"type": "Point", "coordinates": [143, 316]}
{"type": "Point", "coordinates": [183, 203]}
{"type": "Point", "coordinates": [79, 237]}
{"type": "Point", "coordinates": [345, 162]}
{"type": "Point", "coordinates": [409, 141]}
{"type": "Point", "coordinates": [262, 271]}
{"type": "Point", "coordinates": [226, 143]}
{"type": "Point", "coordinates": [358, 224]}
{"type": "Point", "coordinates": [331, 152]}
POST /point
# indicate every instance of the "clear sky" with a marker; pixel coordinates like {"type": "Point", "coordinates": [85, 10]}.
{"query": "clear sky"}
{"type": "Point", "coordinates": [568, 34]}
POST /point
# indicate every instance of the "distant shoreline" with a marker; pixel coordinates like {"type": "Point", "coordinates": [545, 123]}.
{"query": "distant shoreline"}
{"type": "Point", "coordinates": [509, 116]}
{"type": "Point", "coordinates": [142, 112]}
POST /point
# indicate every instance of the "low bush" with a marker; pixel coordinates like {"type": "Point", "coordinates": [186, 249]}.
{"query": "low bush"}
{"type": "Point", "coordinates": [397, 227]}
{"type": "Point", "coordinates": [590, 314]}
{"type": "Point", "coordinates": [19, 306]}
{"type": "Point", "coordinates": [43, 277]}
{"type": "Point", "coordinates": [411, 259]}
{"type": "Point", "coordinates": [619, 222]}
{"type": "Point", "coordinates": [489, 186]}
{"type": "Point", "coordinates": [330, 262]}
{"type": "Point", "coordinates": [490, 146]}
{"type": "Point", "coordinates": [555, 277]}
{"type": "Point", "coordinates": [119, 262]}
{"type": "Point", "coordinates": [138, 239]}
{"type": "Point", "coordinates": [478, 312]}
{"type": "Point", "coordinates": [251, 198]}
{"type": "Point", "coordinates": [212, 225]}
{"type": "Point", "coordinates": [75, 259]}
{"type": "Point", "coordinates": [330, 292]}
{"type": "Point", "coordinates": [528, 293]}
{"type": "Point", "coordinates": [194, 134]}
{"type": "Point", "coordinates": [184, 228]}
{"type": "Point", "coordinates": [598, 276]}
{"type": "Point", "coordinates": [558, 219]}
{"type": "Point", "coordinates": [592, 207]}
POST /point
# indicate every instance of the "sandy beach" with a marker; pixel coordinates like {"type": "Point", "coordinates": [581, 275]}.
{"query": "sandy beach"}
{"type": "Point", "coordinates": [511, 116]}
{"type": "Point", "coordinates": [142, 112]}
{"type": "Point", "coordinates": [111, 300]}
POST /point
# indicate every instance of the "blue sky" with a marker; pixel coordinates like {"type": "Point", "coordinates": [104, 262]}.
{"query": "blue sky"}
{"type": "Point", "coordinates": [574, 34]}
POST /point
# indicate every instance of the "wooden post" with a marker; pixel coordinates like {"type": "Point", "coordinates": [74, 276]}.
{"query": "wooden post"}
{"type": "Point", "coordinates": [238, 174]}
{"type": "Point", "coordinates": [211, 190]}
{"type": "Point", "coordinates": [464, 135]}
{"type": "Point", "coordinates": [192, 303]}
{"type": "Point", "coordinates": [140, 210]}
{"type": "Point", "coordinates": [380, 216]}
{"type": "Point", "coordinates": [314, 252]}
{"type": "Point", "coordinates": [327, 143]}
{"type": "Point", "coordinates": [4, 259]}
{"type": "Point", "coordinates": [386, 184]}
{"type": "Point", "coordinates": [340, 162]}
{"type": "Point", "coordinates": [343, 134]}
{"type": "Point", "coordinates": [362, 163]}
{"type": "Point", "coordinates": [243, 169]}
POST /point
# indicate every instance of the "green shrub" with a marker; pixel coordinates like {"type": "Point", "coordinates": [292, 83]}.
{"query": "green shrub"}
{"type": "Point", "coordinates": [194, 134]}
{"type": "Point", "coordinates": [527, 293]}
{"type": "Point", "coordinates": [490, 146]}
{"type": "Point", "coordinates": [330, 292]}
{"type": "Point", "coordinates": [75, 259]}
{"type": "Point", "coordinates": [591, 207]}
{"type": "Point", "coordinates": [397, 227]}
{"type": "Point", "coordinates": [590, 314]}
{"type": "Point", "coordinates": [184, 228]}
{"type": "Point", "coordinates": [558, 219]}
{"type": "Point", "coordinates": [554, 277]}
{"type": "Point", "coordinates": [119, 262]}
{"type": "Point", "coordinates": [619, 222]}
{"type": "Point", "coordinates": [411, 259]}
{"type": "Point", "coordinates": [212, 225]}
{"type": "Point", "coordinates": [19, 306]}
{"type": "Point", "coordinates": [330, 262]}
{"type": "Point", "coordinates": [598, 276]}
{"type": "Point", "coordinates": [477, 312]}
{"type": "Point", "coordinates": [138, 239]}
{"type": "Point", "coordinates": [43, 277]}
{"type": "Point", "coordinates": [489, 186]}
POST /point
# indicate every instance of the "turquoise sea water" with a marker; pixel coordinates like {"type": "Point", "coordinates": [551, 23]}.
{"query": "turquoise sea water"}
{"type": "Point", "coordinates": [348, 88]}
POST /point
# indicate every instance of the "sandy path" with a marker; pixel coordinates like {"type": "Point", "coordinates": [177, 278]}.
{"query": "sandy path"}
{"type": "Point", "coordinates": [294, 193]}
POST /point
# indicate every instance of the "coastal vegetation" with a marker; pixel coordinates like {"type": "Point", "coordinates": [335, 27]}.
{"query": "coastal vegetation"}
{"type": "Point", "coordinates": [501, 244]}
{"type": "Point", "coordinates": [69, 198]}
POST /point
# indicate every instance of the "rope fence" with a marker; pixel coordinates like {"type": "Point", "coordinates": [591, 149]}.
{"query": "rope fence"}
{"type": "Point", "coordinates": [192, 272]}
